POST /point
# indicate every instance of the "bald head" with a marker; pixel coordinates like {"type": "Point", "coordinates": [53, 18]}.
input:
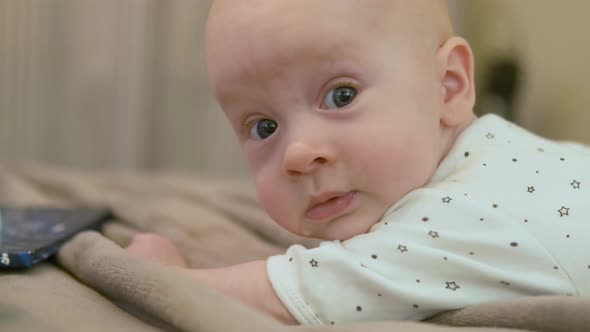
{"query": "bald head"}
{"type": "Point", "coordinates": [429, 17]}
{"type": "Point", "coordinates": [237, 28]}
{"type": "Point", "coordinates": [428, 13]}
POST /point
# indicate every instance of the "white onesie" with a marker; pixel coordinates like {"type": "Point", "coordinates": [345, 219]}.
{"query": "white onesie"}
{"type": "Point", "coordinates": [507, 214]}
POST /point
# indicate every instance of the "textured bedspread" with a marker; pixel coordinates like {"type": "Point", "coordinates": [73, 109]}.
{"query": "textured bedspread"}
{"type": "Point", "coordinates": [93, 284]}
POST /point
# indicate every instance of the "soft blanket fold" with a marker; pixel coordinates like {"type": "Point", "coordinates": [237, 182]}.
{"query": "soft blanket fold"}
{"type": "Point", "coordinates": [98, 286]}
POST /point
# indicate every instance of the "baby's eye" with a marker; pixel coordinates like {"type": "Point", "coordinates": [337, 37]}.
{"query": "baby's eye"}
{"type": "Point", "coordinates": [262, 129]}
{"type": "Point", "coordinates": [339, 97]}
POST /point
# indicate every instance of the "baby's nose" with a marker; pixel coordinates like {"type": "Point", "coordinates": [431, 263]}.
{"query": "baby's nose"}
{"type": "Point", "coordinates": [304, 158]}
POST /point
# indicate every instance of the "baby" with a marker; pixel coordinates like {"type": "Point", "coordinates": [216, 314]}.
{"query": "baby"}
{"type": "Point", "coordinates": [356, 119]}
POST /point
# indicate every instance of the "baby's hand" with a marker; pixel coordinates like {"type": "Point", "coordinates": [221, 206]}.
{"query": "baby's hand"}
{"type": "Point", "coordinates": [246, 282]}
{"type": "Point", "coordinates": [156, 248]}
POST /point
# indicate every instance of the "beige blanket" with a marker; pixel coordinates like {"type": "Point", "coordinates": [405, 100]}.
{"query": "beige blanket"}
{"type": "Point", "coordinates": [96, 285]}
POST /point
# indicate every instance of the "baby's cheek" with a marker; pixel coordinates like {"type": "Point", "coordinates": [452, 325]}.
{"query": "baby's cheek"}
{"type": "Point", "coordinates": [274, 199]}
{"type": "Point", "coordinates": [390, 170]}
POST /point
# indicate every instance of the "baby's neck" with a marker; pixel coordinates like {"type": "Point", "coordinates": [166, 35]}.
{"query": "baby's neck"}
{"type": "Point", "coordinates": [452, 135]}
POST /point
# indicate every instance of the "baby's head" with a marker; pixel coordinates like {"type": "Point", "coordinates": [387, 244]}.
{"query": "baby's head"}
{"type": "Point", "coordinates": [341, 106]}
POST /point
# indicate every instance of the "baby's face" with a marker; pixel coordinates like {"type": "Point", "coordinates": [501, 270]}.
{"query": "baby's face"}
{"type": "Point", "coordinates": [337, 111]}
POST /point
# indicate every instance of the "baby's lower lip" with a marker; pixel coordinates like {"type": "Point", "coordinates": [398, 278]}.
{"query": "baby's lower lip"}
{"type": "Point", "coordinates": [331, 208]}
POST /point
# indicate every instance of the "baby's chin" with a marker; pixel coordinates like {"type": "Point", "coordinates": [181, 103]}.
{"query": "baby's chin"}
{"type": "Point", "coordinates": [338, 230]}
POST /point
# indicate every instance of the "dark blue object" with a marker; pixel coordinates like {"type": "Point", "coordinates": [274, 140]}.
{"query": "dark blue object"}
{"type": "Point", "coordinates": [31, 235]}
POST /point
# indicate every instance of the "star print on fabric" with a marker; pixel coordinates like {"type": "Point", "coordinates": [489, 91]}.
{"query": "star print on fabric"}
{"type": "Point", "coordinates": [313, 263]}
{"type": "Point", "coordinates": [505, 283]}
{"type": "Point", "coordinates": [402, 248]}
{"type": "Point", "coordinates": [575, 184]}
{"type": "Point", "coordinates": [531, 189]}
{"type": "Point", "coordinates": [452, 286]}
{"type": "Point", "coordinates": [447, 200]}
{"type": "Point", "coordinates": [564, 211]}
{"type": "Point", "coordinates": [433, 234]}
{"type": "Point", "coordinates": [490, 136]}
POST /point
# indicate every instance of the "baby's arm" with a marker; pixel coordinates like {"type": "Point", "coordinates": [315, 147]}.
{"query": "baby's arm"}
{"type": "Point", "coordinates": [246, 282]}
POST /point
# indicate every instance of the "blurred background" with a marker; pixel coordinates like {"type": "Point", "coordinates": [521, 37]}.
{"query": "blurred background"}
{"type": "Point", "coordinates": [120, 84]}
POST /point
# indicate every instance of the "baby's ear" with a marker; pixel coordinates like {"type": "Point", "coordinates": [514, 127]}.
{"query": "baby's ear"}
{"type": "Point", "coordinates": [456, 65]}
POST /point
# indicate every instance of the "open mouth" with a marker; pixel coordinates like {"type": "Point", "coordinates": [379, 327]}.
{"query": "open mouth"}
{"type": "Point", "coordinates": [330, 206]}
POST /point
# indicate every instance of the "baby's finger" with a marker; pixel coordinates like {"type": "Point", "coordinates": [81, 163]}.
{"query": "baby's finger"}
{"type": "Point", "coordinates": [155, 248]}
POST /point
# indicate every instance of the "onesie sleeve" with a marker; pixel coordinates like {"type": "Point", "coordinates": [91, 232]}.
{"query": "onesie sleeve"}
{"type": "Point", "coordinates": [433, 251]}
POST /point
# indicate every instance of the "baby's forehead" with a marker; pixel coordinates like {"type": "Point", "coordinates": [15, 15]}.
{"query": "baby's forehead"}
{"type": "Point", "coordinates": [277, 17]}
{"type": "Point", "coordinates": [374, 12]}
{"type": "Point", "coordinates": [282, 32]}
{"type": "Point", "coordinates": [259, 33]}
{"type": "Point", "coordinates": [281, 20]}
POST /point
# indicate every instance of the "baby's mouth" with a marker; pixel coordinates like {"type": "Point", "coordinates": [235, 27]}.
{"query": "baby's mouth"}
{"type": "Point", "coordinates": [328, 206]}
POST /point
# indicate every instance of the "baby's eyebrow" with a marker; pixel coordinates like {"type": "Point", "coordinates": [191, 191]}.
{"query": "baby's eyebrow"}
{"type": "Point", "coordinates": [324, 53]}
{"type": "Point", "coordinates": [270, 66]}
{"type": "Point", "coordinates": [312, 49]}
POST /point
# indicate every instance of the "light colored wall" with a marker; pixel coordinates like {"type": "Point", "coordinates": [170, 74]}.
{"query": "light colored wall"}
{"type": "Point", "coordinates": [110, 84]}
{"type": "Point", "coordinates": [121, 83]}
{"type": "Point", "coordinates": [550, 38]}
